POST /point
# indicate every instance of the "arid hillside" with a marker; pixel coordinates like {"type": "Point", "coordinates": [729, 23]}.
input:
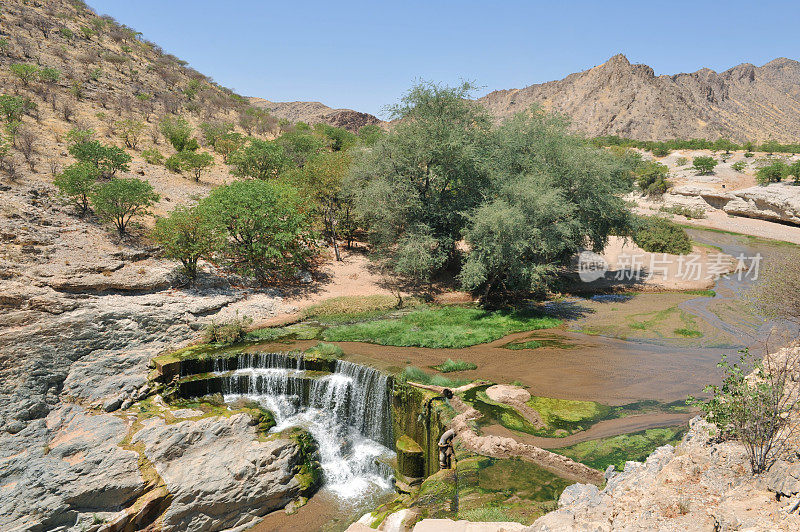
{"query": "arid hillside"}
{"type": "Point", "coordinates": [316, 112]}
{"type": "Point", "coordinates": [743, 103]}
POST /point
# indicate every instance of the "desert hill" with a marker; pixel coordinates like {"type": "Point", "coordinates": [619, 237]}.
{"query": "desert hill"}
{"type": "Point", "coordinates": [743, 103]}
{"type": "Point", "coordinates": [316, 112]}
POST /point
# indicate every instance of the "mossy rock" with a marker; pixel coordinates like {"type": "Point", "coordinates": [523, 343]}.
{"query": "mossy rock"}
{"type": "Point", "coordinates": [410, 458]}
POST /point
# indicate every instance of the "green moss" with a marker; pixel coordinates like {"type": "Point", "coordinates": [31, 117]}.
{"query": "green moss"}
{"type": "Point", "coordinates": [616, 450]}
{"type": "Point", "coordinates": [560, 412]}
{"type": "Point", "coordinates": [407, 445]}
{"type": "Point", "coordinates": [442, 327]}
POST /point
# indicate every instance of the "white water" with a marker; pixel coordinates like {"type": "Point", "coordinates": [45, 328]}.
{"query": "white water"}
{"type": "Point", "coordinates": [346, 412]}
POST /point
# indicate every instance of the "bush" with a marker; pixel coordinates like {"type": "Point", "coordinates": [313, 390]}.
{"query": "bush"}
{"type": "Point", "coordinates": [226, 332]}
{"type": "Point", "coordinates": [129, 131]}
{"type": "Point", "coordinates": [651, 178]}
{"type": "Point", "coordinates": [755, 405]}
{"type": "Point", "coordinates": [107, 159]}
{"type": "Point", "coordinates": [189, 161]}
{"type": "Point", "coordinates": [49, 75]}
{"type": "Point", "coordinates": [25, 72]}
{"type": "Point", "coordinates": [178, 132]}
{"type": "Point", "coordinates": [76, 183]}
{"type": "Point", "coordinates": [153, 156]}
{"type": "Point", "coordinates": [269, 228]}
{"type": "Point", "coordinates": [681, 161]}
{"type": "Point", "coordinates": [772, 173]}
{"type": "Point", "coordinates": [704, 164]}
{"type": "Point", "coordinates": [794, 170]}
{"type": "Point", "coordinates": [739, 166]}
{"type": "Point", "coordinates": [188, 235]}
{"type": "Point", "coordinates": [120, 200]}
{"type": "Point", "coordinates": [261, 159]}
{"type": "Point", "coordinates": [13, 107]}
{"type": "Point", "coordinates": [661, 151]}
{"type": "Point", "coordinates": [658, 235]}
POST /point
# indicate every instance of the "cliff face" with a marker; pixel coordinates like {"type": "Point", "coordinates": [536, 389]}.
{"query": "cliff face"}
{"type": "Point", "coordinates": [619, 98]}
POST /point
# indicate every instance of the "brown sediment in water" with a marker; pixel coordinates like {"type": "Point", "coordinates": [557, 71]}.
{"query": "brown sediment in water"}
{"type": "Point", "coordinates": [601, 429]}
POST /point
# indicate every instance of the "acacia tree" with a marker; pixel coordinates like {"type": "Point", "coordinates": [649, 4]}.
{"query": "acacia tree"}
{"type": "Point", "coordinates": [119, 200]}
{"type": "Point", "coordinates": [188, 235]}
{"type": "Point", "coordinates": [268, 228]}
{"type": "Point", "coordinates": [261, 159]}
{"type": "Point", "coordinates": [76, 183]}
{"type": "Point", "coordinates": [704, 164]}
{"type": "Point", "coordinates": [419, 180]}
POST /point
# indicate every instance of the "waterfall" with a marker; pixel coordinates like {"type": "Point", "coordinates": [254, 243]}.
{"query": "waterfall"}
{"type": "Point", "coordinates": [347, 412]}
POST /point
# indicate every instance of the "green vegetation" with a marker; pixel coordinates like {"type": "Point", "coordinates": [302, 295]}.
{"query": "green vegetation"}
{"type": "Point", "coordinates": [269, 231]}
{"type": "Point", "coordinates": [658, 235]}
{"type": "Point", "coordinates": [120, 200]}
{"type": "Point", "coordinates": [193, 162]}
{"type": "Point", "coordinates": [445, 327]}
{"type": "Point", "coordinates": [569, 415]}
{"type": "Point", "coordinates": [451, 365]}
{"type": "Point", "coordinates": [616, 450]}
{"type": "Point", "coordinates": [693, 213]}
{"type": "Point", "coordinates": [681, 161]}
{"type": "Point", "coordinates": [651, 178]}
{"type": "Point", "coordinates": [414, 374]}
{"type": "Point", "coordinates": [226, 332]}
{"type": "Point", "coordinates": [107, 159]}
{"type": "Point", "coordinates": [178, 132]}
{"type": "Point", "coordinates": [345, 309]}
{"type": "Point", "coordinates": [153, 156]}
{"type": "Point", "coordinates": [76, 183]}
{"type": "Point", "coordinates": [260, 159]}
{"type": "Point", "coordinates": [704, 164]}
{"type": "Point", "coordinates": [188, 235]}
{"type": "Point", "coordinates": [130, 131]}
{"type": "Point", "coordinates": [739, 166]}
{"type": "Point", "coordinates": [14, 107]}
{"type": "Point", "coordinates": [772, 173]}
{"type": "Point", "coordinates": [25, 72]}
{"type": "Point", "coordinates": [695, 144]}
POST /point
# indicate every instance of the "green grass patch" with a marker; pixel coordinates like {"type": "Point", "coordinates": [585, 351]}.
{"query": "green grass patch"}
{"type": "Point", "coordinates": [616, 450]}
{"type": "Point", "coordinates": [324, 350]}
{"type": "Point", "coordinates": [704, 293]}
{"type": "Point", "coordinates": [443, 327]}
{"type": "Point", "coordinates": [451, 365]}
{"type": "Point", "coordinates": [563, 413]}
{"type": "Point", "coordinates": [297, 331]}
{"type": "Point", "coordinates": [688, 333]}
{"type": "Point", "coordinates": [346, 309]}
{"type": "Point", "coordinates": [415, 374]}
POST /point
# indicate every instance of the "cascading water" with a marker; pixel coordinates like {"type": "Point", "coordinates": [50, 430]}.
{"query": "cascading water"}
{"type": "Point", "coordinates": [347, 412]}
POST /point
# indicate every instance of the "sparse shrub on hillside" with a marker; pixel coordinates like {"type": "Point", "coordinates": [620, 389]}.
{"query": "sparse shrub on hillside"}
{"type": "Point", "coordinates": [76, 184]}
{"type": "Point", "coordinates": [192, 89]}
{"type": "Point", "coordinates": [214, 131]}
{"type": "Point", "coordinates": [95, 74]}
{"type": "Point", "coordinates": [49, 75]}
{"type": "Point", "coordinates": [651, 178]}
{"type": "Point", "coordinates": [704, 164]}
{"type": "Point", "coordinates": [178, 132]}
{"type": "Point", "coordinates": [25, 72]}
{"type": "Point", "coordinates": [739, 166]}
{"type": "Point", "coordinates": [67, 111]}
{"type": "Point", "coordinates": [130, 131]}
{"type": "Point", "coordinates": [78, 135]}
{"type": "Point", "coordinates": [153, 156]}
{"type": "Point", "coordinates": [794, 171]}
{"type": "Point", "coordinates": [26, 144]}
{"type": "Point", "coordinates": [14, 107]}
{"type": "Point", "coordinates": [261, 159]}
{"type": "Point", "coordinates": [119, 200]}
{"type": "Point", "coordinates": [88, 32]}
{"type": "Point", "coordinates": [681, 161]}
{"type": "Point", "coordinates": [269, 230]}
{"type": "Point", "coordinates": [228, 144]}
{"type": "Point", "coordinates": [188, 235]}
{"type": "Point", "coordinates": [749, 154]}
{"type": "Point", "coordinates": [658, 235]}
{"type": "Point", "coordinates": [4, 46]}
{"type": "Point", "coordinates": [66, 33]}
{"type": "Point", "coordinates": [107, 159]}
{"type": "Point", "coordinates": [772, 173]}
{"type": "Point", "coordinates": [189, 161]}
{"type": "Point", "coordinates": [660, 150]}
{"type": "Point", "coordinates": [755, 405]}
{"type": "Point", "coordinates": [76, 89]}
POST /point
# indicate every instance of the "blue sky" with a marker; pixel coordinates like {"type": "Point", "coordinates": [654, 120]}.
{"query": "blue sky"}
{"type": "Point", "coordinates": [365, 55]}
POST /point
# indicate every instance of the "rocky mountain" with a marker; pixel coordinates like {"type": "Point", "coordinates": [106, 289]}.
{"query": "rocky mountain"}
{"type": "Point", "coordinates": [743, 103]}
{"type": "Point", "coordinates": [316, 112]}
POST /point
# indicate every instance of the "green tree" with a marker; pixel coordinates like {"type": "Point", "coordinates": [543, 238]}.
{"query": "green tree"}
{"type": "Point", "coordinates": [659, 235]}
{"type": "Point", "coordinates": [794, 170]}
{"type": "Point", "coordinates": [261, 159]}
{"type": "Point", "coordinates": [704, 164]}
{"type": "Point", "coordinates": [119, 200]}
{"type": "Point", "coordinates": [190, 161]}
{"type": "Point", "coordinates": [770, 147]}
{"type": "Point", "coordinates": [25, 72]}
{"type": "Point", "coordinates": [725, 145]}
{"type": "Point", "coordinates": [187, 235]}
{"type": "Point", "coordinates": [268, 227]}
{"type": "Point", "coordinates": [423, 176]}
{"type": "Point", "coordinates": [178, 132]}
{"type": "Point", "coordinates": [129, 131]}
{"type": "Point", "coordinates": [370, 134]}
{"type": "Point", "coordinates": [228, 144]}
{"type": "Point", "coordinates": [76, 183]}
{"type": "Point", "coordinates": [300, 143]}
{"type": "Point", "coordinates": [214, 131]}
{"type": "Point", "coordinates": [772, 173]}
{"type": "Point", "coordinates": [49, 75]}
{"type": "Point", "coordinates": [107, 159]}
{"type": "Point", "coordinates": [13, 107]}
{"type": "Point", "coordinates": [651, 178]}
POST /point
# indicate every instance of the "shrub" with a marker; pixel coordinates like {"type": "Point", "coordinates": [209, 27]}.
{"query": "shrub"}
{"type": "Point", "coordinates": [178, 132]}
{"type": "Point", "coordinates": [658, 235]}
{"type": "Point", "coordinates": [25, 72]}
{"type": "Point", "coordinates": [261, 159]}
{"type": "Point", "coordinates": [189, 161]}
{"type": "Point", "coordinates": [749, 154]}
{"type": "Point", "coordinates": [49, 75]}
{"type": "Point", "coordinates": [755, 406]}
{"type": "Point", "coordinates": [226, 332]}
{"type": "Point", "coordinates": [772, 173]}
{"type": "Point", "coordinates": [107, 159]}
{"type": "Point", "coordinates": [188, 235]}
{"type": "Point", "coordinates": [66, 33]}
{"type": "Point", "coordinates": [794, 170]}
{"type": "Point", "coordinates": [269, 230]}
{"type": "Point", "coordinates": [153, 156]}
{"type": "Point", "coordinates": [661, 151]}
{"type": "Point", "coordinates": [651, 178]}
{"type": "Point", "coordinates": [13, 107]}
{"type": "Point", "coordinates": [704, 164]}
{"type": "Point", "coordinates": [120, 200]}
{"type": "Point", "coordinates": [214, 131]}
{"type": "Point", "coordinates": [129, 131]}
{"type": "Point", "coordinates": [681, 161]}
{"type": "Point", "coordinates": [76, 183]}
{"type": "Point", "coordinates": [683, 210]}
{"type": "Point", "coordinates": [739, 166]}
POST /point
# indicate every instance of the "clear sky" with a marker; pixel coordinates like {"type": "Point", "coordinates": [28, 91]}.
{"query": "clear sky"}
{"type": "Point", "coordinates": [365, 55]}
